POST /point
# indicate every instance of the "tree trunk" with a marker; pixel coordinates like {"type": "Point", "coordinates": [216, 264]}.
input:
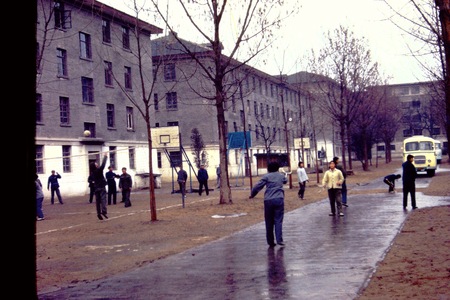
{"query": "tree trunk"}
{"type": "Point", "coordinates": [444, 16]}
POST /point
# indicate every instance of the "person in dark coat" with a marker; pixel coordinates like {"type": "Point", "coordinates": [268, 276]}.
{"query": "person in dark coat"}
{"type": "Point", "coordinates": [409, 181]}
{"type": "Point", "coordinates": [125, 184]}
{"type": "Point", "coordinates": [91, 187]}
{"type": "Point", "coordinates": [390, 181]}
{"type": "Point", "coordinates": [203, 180]}
{"type": "Point", "coordinates": [53, 186]}
{"type": "Point", "coordinates": [112, 185]}
{"type": "Point", "coordinates": [100, 187]}
{"type": "Point", "coordinates": [182, 178]}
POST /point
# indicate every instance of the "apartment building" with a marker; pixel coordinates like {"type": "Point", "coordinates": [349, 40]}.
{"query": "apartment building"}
{"type": "Point", "coordinates": [422, 112]}
{"type": "Point", "coordinates": [87, 72]}
{"type": "Point", "coordinates": [266, 106]}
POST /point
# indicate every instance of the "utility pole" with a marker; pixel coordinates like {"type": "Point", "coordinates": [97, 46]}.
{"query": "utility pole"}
{"type": "Point", "coordinates": [247, 158]}
{"type": "Point", "coordinates": [286, 131]}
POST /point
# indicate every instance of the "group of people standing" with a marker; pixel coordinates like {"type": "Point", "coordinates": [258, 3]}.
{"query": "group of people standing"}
{"type": "Point", "coordinates": [97, 188]}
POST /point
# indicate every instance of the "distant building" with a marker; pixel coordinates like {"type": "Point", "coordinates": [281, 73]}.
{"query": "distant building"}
{"type": "Point", "coordinates": [184, 97]}
{"type": "Point", "coordinates": [422, 112]}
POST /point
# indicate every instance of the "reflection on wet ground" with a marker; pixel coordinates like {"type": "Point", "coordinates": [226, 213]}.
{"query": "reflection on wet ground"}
{"type": "Point", "coordinates": [324, 257]}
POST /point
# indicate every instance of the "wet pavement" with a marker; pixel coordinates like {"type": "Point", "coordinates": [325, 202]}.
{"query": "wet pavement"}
{"type": "Point", "coordinates": [324, 257]}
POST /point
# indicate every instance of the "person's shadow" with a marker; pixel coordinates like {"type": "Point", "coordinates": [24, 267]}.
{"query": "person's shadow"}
{"type": "Point", "coordinates": [276, 272]}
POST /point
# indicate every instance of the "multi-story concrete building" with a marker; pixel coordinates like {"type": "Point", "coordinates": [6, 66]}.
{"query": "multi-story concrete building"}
{"type": "Point", "coordinates": [422, 112]}
{"type": "Point", "coordinates": [266, 106]}
{"type": "Point", "coordinates": [86, 65]}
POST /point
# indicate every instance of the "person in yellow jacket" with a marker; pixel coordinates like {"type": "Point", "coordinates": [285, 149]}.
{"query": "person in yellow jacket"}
{"type": "Point", "coordinates": [332, 180]}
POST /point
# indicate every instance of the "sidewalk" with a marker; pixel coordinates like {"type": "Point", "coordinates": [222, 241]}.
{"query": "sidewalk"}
{"type": "Point", "coordinates": [324, 258]}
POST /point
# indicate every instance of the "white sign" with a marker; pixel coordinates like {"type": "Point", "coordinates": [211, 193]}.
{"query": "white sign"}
{"type": "Point", "coordinates": [298, 143]}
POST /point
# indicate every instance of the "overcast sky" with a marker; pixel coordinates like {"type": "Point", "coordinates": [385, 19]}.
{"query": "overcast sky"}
{"type": "Point", "coordinates": [306, 31]}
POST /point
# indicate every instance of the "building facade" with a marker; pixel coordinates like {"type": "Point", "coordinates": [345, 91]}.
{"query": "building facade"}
{"type": "Point", "coordinates": [87, 72]}
{"type": "Point", "coordinates": [421, 108]}
{"type": "Point", "coordinates": [266, 106]}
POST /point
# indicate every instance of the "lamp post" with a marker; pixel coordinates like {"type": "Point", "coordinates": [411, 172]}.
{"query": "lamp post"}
{"type": "Point", "coordinates": [285, 119]}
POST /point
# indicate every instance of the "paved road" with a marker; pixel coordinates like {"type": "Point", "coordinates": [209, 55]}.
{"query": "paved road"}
{"type": "Point", "coordinates": [324, 258]}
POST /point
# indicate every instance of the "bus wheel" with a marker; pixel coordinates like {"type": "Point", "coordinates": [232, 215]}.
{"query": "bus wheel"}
{"type": "Point", "coordinates": [430, 173]}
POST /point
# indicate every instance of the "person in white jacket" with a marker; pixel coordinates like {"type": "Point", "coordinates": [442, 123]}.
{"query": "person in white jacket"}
{"type": "Point", "coordinates": [302, 180]}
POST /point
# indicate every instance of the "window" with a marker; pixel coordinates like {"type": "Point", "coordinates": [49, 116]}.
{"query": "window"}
{"type": "Point", "coordinates": [112, 156]}
{"type": "Point", "coordinates": [226, 130]}
{"type": "Point", "coordinates": [131, 157]}
{"type": "Point", "coordinates": [380, 148]}
{"type": "Point", "coordinates": [85, 46]}
{"type": "Point", "coordinates": [91, 128]}
{"type": "Point", "coordinates": [233, 103]}
{"type": "Point", "coordinates": [87, 85]}
{"type": "Point", "coordinates": [108, 73]}
{"type": "Point", "coordinates": [417, 131]}
{"type": "Point", "coordinates": [255, 108]}
{"type": "Point", "coordinates": [66, 153]}
{"type": "Point", "coordinates": [62, 17]}
{"type": "Point", "coordinates": [155, 71]}
{"type": "Point", "coordinates": [106, 31]}
{"type": "Point", "coordinates": [261, 110]}
{"type": "Point", "coordinates": [248, 107]}
{"type": "Point", "coordinates": [125, 37]}
{"type": "Point", "coordinates": [156, 101]}
{"type": "Point", "coordinates": [169, 72]}
{"type": "Point", "coordinates": [171, 100]}
{"type": "Point", "coordinates": [127, 75]}
{"type": "Point", "coordinates": [62, 62]}
{"type": "Point", "coordinates": [436, 131]}
{"type": "Point", "coordinates": [39, 157]}
{"type": "Point", "coordinates": [130, 119]}
{"type": "Point", "coordinates": [173, 123]}
{"type": "Point", "coordinates": [415, 104]}
{"type": "Point", "coordinates": [407, 133]}
{"type": "Point", "coordinates": [267, 111]}
{"type": "Point", "coordinates": [64, 111]}
{"type": "Point", "coordinates": [38, 108]}
{"type": "Point", "coordinates": [235, 127]}
{"type": "Point", "coordinates": [159, 159]}
{"type": "Point", "coordinates": [110, 115]}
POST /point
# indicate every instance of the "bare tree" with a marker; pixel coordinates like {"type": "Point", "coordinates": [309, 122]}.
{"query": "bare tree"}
{"type": "Point", "coordinates": [349, 69]}
{"type": "Point", "coordinates": [428, 23]}
{"type": "Point", "coordinates": [142, 101]}
{"type": "Point", "coordinates": [254, 20]}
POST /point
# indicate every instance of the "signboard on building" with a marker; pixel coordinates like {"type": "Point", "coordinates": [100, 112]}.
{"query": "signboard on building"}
{"type": "Point", "coordinates": [236, 140]}
{"type": "Point", "coordinates": [298, 143]}
{"type": "Point", "coordinates": [166, 137]}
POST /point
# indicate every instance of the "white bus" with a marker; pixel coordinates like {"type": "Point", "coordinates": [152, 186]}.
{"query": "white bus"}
{"type": "Point", "coordinates": [423, 149]}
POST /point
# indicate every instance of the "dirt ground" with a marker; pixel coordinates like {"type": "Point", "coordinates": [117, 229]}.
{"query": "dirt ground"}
{"type": "Point", "coordinates": [72, 245]}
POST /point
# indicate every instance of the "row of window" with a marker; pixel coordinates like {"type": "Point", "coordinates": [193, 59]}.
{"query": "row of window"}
{"type": "Point", "coordinates": [65, 120]}
{"type": "Point", "coordinates": [62, 72]}
{"type": "Point", "coordinates": [63, 21]}
{"type": "Point", "coordinates": [67, 158]}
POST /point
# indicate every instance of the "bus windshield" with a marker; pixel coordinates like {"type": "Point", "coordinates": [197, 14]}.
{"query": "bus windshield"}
{"type": "Point", "coordinates": [416, 146]}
